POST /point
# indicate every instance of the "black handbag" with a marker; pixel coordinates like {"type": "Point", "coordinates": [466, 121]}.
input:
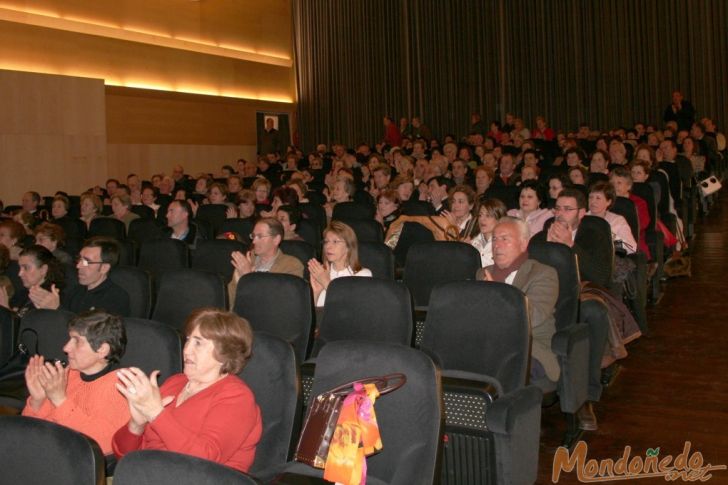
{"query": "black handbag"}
{"type": "Point", "coordinates": [323, 414]}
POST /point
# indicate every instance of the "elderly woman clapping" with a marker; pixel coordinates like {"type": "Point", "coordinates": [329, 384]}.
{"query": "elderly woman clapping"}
{"type": "Point", "coordinates": [207, 411]}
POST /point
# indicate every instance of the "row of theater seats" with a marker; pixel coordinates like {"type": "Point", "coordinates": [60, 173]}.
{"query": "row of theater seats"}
{"type": "Point", "coordinates": [367, 329]}
{"type": "Point", "coordinates": [364, 313]}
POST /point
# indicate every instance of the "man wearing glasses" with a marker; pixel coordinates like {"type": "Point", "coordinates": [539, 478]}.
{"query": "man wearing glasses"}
{"type": "Point", "coordinates": [566, 228]}
{"type": "Point", "coordinates": [95, 290]}
{"type": "Point", "coordinates": [265, 255]}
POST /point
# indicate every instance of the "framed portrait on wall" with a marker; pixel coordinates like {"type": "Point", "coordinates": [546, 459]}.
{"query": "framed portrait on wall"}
{"type": "Point", "coordinates": [274, 132]}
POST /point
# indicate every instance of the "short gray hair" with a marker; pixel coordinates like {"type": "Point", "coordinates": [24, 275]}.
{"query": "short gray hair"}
{"type": "Point", "coordinates": [520, 224]}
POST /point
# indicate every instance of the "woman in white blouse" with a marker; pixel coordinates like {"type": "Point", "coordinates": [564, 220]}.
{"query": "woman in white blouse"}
{"type": "Point", "coordinates": [601, 198]}
{"type": "Point", "coordinates": [341, 258]}
{"type": "Point", "coordinates": [530, 199]}
{"type": "Point", "coordinates": [488, 214]}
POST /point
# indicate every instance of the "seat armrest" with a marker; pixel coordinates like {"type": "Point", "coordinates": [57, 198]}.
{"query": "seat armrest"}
{"type": "Point", "coordinates": [472, 376]}
{"type": "Point", "coordinates": [506, 410]}
{"type": "Point", "coordinates": [564, 340]}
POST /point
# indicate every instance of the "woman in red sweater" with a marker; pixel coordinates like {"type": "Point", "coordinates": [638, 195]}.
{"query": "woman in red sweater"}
{"type": "Point", "coordinates": [207, 411]}
{"type": "Point", "coordinates": [82, 396]}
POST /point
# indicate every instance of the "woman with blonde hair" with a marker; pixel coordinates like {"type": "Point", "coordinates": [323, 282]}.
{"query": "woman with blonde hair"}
{"type": "Point", "coordinates": [121, 208]}
{"type": "Point", "coordinates": [340, 258]}
{"type": "Point", "coordinates": [91, 208]}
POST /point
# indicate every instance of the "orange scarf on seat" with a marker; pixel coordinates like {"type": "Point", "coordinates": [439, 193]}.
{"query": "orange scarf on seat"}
{"type": "Point", "coordinates": [356, 437]}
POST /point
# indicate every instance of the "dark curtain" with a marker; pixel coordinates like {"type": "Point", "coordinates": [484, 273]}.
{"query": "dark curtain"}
{"type": "Point", "coordinates": [606, 63]}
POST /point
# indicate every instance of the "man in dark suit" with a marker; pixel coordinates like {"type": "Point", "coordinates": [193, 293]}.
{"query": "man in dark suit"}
{"type": "Point", "coordinates": [439, 188]}
{"type": "Point", "coordinates": [95, 290]}
{"type": "Point", "coordinates": [270, 139]}
{"type": "Point", "coordinates": [680, 110]}
{"type": "Point", "coordinates": [179, 214]}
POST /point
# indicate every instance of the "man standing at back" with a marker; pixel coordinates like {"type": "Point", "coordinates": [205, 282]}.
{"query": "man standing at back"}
{"type": "Point", "coordinates": [681, 111]}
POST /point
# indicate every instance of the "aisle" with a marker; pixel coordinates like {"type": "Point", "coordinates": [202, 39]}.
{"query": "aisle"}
{"type": "Point", "coordinates": [673, 386]}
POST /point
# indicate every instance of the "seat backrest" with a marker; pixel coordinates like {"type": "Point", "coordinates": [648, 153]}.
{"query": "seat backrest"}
{"type": "Point", "coordinates": [152, 346]}
{"type": "Point", "coordinates": [416, 208]}
{"type": "Point", "coordinates": [109, 227]}
{"type": "Point", "coordinates": [144, 229]}
{"type": "Point", "coordinates": [128, 251]}
{"type": "Point", "coordinates": [165, 254]}
{"type": "Point", "coordinates": [215, 256]}
{"type": "Point", "coordinates": [242, 227]}
{"type": "Point", "coordinates": [138, 285]}
{"type": "Point", "coordinates": [378, 258]}
{"type": "Point", "coordinates": [562, 258]}
{"type": "Point", "coordinates": [352, 210]}
{"type": "Point", "coordinates": [370, 309]}
{"type": "Point", "coordinates": [600, 265]}
{"type": "Point", "coordinates": [8, 334]}
{"type": "Point", "coordinates": [203, 229]}
{"type": "Point", "coordinates": [51, 326]}
{"type": "Point", "coordinates": [411, 438]}
{"type": "Point", "coordinates": [506, 194]}
{"type": "Point", "coordinates": [301, 250]}
{"type": "Point", "coordinates": [280, 304]}
{"type": "Point", "coordinates": [314, 213]}
{"type": "Point", "coordinates": [363, 197]}
{"type": "Point", "coordinates": [310, 231]}
{"type": "Point", "coordinates": [626, 208]}
{"type": "Point", "coordinates": [481, 327]}
{"type": "Point", "coordinates": [411, 234]}
{"type": "Point", "coordinates": [181, 291]}
{"type": "Point", "coordinates": [72, 227]}
{"type": "Point", "coordinates": [215, 214]}
{"type": "Point", "coordinates": [272, 375]}
{"type": "Point", "coordinates": [646, 192]}
{"type": "Point", "coordinates": [366, 230]}
{"type": "Point", "coordinates": [659, 180]}
{"type": "Point", "coordinates": [143, 211]}
{"type": "Point", "coordinates": [432, 263]}
{"type": "Point", "coordinates": [39, 451]}
{"type": "Point", "coordinates": [154, 467]}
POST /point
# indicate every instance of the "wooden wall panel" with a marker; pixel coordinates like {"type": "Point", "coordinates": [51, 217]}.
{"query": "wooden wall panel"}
{"type": "Point", "coordinates": [52, 134]}
{"type": "Point", "coordinates": [148, 159]}
{"type": "Point", "coordinates": [132, 64]}
{"type": "Point", "coordinates": [146, 116]}
{"type": "Point", "coordinates": [261, 26]}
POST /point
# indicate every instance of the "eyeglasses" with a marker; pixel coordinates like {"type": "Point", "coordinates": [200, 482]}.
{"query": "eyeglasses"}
{"type": "Point", "coordinates": [332, 241]}
{"type": "Point", "coordinates": [253, 237]}
{"type": "Point", "coordinates": [558, 208]}
{"type": "Point", "coordinates": [85, 262]}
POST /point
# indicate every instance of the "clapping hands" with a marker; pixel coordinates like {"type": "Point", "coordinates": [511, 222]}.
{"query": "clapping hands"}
{"type": "Point", "coordinates": [243, 263]}
{"type": "Point", "coordinates": [46, 380]}
{"type": "Point", "coordinates": [42, 298]}
{"type": "Point", "coordinates": [142, 393]}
